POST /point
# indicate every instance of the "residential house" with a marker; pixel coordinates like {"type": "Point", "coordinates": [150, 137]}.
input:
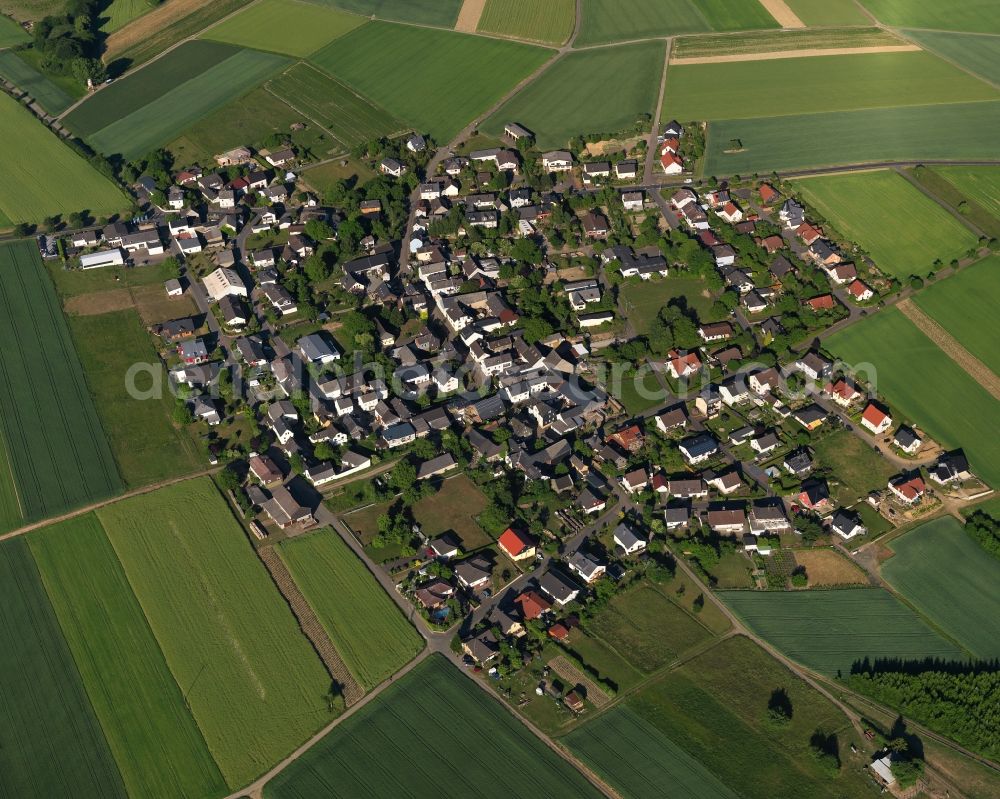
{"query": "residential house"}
{"type": "Point", "coordinates": [699, 448]}
{"type": "Point", "coordinates": [908, 489]}
{"type": "Point", "coordinates": [589, 569]}
{"type": "Point", "coordinates": [516, 545]}
{"type": "Point", "coordinates": [629, 541]}
{"type": "Point", "coordinates": [875, 419]}
{"type": "Point", "coordinates": [727, 521]}
{"type": "Point", "coordinates": [558, 588]}
{"type": "Point", "coordinates": [847, 524]}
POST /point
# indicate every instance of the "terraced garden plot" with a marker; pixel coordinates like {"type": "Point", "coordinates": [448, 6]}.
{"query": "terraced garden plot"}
{"type": "Point", "coordinates": [146, 444]}
{"type": "Point", "coordinates": [442, 13]}
{"type": "Point", "coordinates": [560, 103]}
{"type": "Point", "coordinates": [58, 453]}
{"type": "Point", "coordinates": [158, 122]}
{"type": "Point", "coordinates": [804, 141]}
{"type": "Point", "coordinates": [347, 115]}
{"type": "Point", "coordinates": [550, 22]}
{"type": "Point", "coordinates": [969, 15]}
{"type": "Point", "coordinates": [828, 12]}
{"type": "Point", "coordinates": [51, 742]}
{"type": "Point", "coordinates": [291, 27]}
{"type": "Point", "coordinates": [153, 737]}
{"type": "Point", "coordinates": [436, 80]}
{"type": "Point", "coordinates": [639, 760]}
{"type": "Point", "coordinates": [952, 580]}
{"type": "Point", "coordinates": [977, 53]}
{"type": "Point", "coordinates": [255, 686]}
{"type": "Point", "coordinates": [942, 398]}
{"type": "Point", "coordinates": [433, 727]}
{"type": "Point", "coordinates": [902, 228]}
{"type": "Point", "coordinates": [19, 72]}
{"type": "Point", "coordinates": [43, 177]}
{"type": "Point", "coordinates": [830, 630]}
{"type": "Point", "coordinates": [351, 606]}
{"type": "Point", "coordinates": [836, 83]}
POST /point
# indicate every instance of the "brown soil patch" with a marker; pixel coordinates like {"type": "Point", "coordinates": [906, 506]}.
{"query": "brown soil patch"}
{"type": "Point", "coordinates": [141, 28]}
{"type": "Point", "coordinates": [951, 347]}
{"type": "Point", "coordinates": [468, 17]}
{"type": "Point", "coordinates": [828, 567]}
{"type": "Point", "coordinates": [806, 53]}
{"type": "Point", "coordinates": [99, 302]}
{"type": "Point", "coordinates": [154, 305]}
{"type": "Point", "coordinates": [784, 16]}
{"type": "Point", "coordinates": [612, 145]}
{"type": "Point", "coordinates": [561, 666]}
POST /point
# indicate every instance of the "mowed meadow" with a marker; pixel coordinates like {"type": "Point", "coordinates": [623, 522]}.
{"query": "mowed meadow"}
{"type": "Point", "coordinates": [290, 27]}
{"type": "Point", "coordinates": [392, 65]}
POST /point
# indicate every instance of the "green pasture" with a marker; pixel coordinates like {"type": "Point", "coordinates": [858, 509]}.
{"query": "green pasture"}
{"type": "Point", "coordinates": [550, 22]}
{"type": "Point", "coordinates": [11, 33]}
{"type": "Point", "coordinates": [19, 72]}
{"type": "Point", "coordinates": [856, 468]}
{"type": "Point", "coordinates": [977, 53]}
{"type": "Point", "coordinates": [291, 27]}
{"type": "Point", "coordinates": [978, 16]}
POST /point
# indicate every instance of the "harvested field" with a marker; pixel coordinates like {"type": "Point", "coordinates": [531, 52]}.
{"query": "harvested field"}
{"type": "Point", "coordinates": [99, 302]}
{"type": "Point", "coordinates": [784, 16]}
{"type": "Point", "coordinates": [948, 344]}
{"type": "Point", "coordinates": [827, 567]}
{"type": "Point", "coordinates": [784, 54]}
{"type": "Point", "coordinates": [469, 15]}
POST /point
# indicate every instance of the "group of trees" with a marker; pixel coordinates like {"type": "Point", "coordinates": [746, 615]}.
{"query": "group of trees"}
{"type": "Point", "coordinates": [69, 43]}
{"type": "Point", "coordinates": [985, 531]}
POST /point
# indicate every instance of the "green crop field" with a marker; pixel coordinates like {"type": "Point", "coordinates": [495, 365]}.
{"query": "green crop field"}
{"type": "Point", "coordinates": [952, 407]}
{"type": "Point", "coordinates": [59, 455]}
{"type": "Point", "coordinates": [902, 228]}
{"type": "Point", "coordinates": [969, 15]}
{"type": "Point", "coordinates": [442, 13]}
{"type": "Point", "coordinates": [352, 607]}
{"type": "Point", "coordinates": [828, 12]}
{"type": "Point", "coordinates": [146, 444]}
{"type": "Point", "coordinates": [119, 13]}
{"type": "Point", "coordinates": [561, 103]}
{"type": "Point", "coordinates": [432, 728]}
{"type": "Point", "coordinates": [714, 707]}
{"type": "Point", "coordinates": [734, 15]}
{"type": "Point", "coordinates": [139, 88]}
{"type": "Point", "coordinates": [639, 760]}
{"type": "Point", "coordinates": [550, 22]}
{"type": "Point", "coordinates": [348, 116]}
{"type": "Point", "coordinates": [979, 54]}
{"type": "Point", "coordinates": [51, 742]}
{"type": "Point", "coordinates": [10, 507]}
{"type": "Point", "coordinates": [154, 739]}
{"type": "Point", "coordinates": [836, 83]}
{"type": "Point", "coordinates": [830, 630]}
{"type": "Point", "coordinates": [164, 117]}
{"type": "Point", "coordinates": [11, 33]}
{"type": "Point", "coordinates": [647, 628]}
{"type": "Point", "coordinates": [390, 65]}
{"type": "Point", "coordinates": [961, 131]}
{"type": "Point", "coordinates": [980, 184]}
{"type": "Point", "coordinates": [777, 41]}
{"type": "Point", "coordinates": [965, 305]}
{"type": "Point", "coordinates": [19, 72]}
{"type": "Point", "coordinates": [292, 27]}
{"type": "Point", "coordinates": [254, 684]}
{"type": "Point", "coordinates": [42, 176]}
{"type": "Point", "coordinates": [952, 580]}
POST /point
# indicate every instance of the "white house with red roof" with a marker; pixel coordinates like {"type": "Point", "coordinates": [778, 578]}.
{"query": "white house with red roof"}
{"type": "Point", "coordinates": [683, 365]}
{"type": "Point", "coordinates": [908, 489]}
{"type": "Point", "coordinates": [671, 163]}
{"type": "Point", "coordinates": [515, 545]}
{"type": "Point", "coordinates": [875, 419]}
{"type": "Point", "coordinates": [731, 213]}
{"type": "Point", "coordinates": [842, 392]}
{"type": "Point", "coordinates": [860, 291]}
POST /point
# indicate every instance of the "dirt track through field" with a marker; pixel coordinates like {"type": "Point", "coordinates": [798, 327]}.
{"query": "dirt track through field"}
{"type": "Point", "coordinates": [807, 53]}
{"type": "Point", "coordinates": [951, 347]}
{"type": "Point", "coordinates": [139, 29]}
{"type": "Point", "coordinates": [572, 674]}
{"type": "Point", "coordinates": [468, 17]}
{"type": "Point", "coordinates": [782, 13]}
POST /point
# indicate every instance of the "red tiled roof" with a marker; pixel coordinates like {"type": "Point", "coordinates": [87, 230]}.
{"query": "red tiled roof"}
{"type": "Point", "coordinates": [532, 604]}
{"type": "Point", "coordinates": [766, 192]}
{"type": "Point", "coordinates": [857, 288]}
{"type": "Point", "coordinates": [513, 543]}
{"type": "Point", "coordinates": [824, 301]}
{"type": "Point", "coordinates": [874, 415]}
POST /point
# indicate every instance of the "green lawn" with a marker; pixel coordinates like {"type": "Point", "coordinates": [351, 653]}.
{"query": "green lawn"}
{"type": "Point", "coordinates": [902, 228]}
{"type": "Point", "coordinates": [855, 466]}
{"type": "Point", "coordinates": [141, 87]}
{"type": "Point", "coordinates": [952, 580]}
{"type": "Point", "coordinates": [75, 282]}
{"type": "Point", "coordinates": [442, 13]}
{"type": "Point", "coordinates": [51, 742]}
{"type": "Point", "coordinates": [432, 728]}
{"type": "Point", "coordinates": [436, 80]}
{"type": "Point", "coordinates": [454, 509]}
{"type": "Point", "coordinates": [981, 184]}
{"type": "Point", "coordinates": [352, 606]}
{"type": "Point", "coordinates": [942, 398]}
{"type": "Point", "coordinates": [829, 630]}
{"type": "Point", "coordinates": [550, 22]}
{"type": "Point", "coordinates": [253, 682]}
{"type": "Point", "coordinates": [147, 446]}
{"type": "Point", "coordinates": [828, 12]}
{"type": "Point", "coordinates": [561, 103]}
{"type": "Point", "coordinates": [639, 760]}
{"type": "Point", "coordinates": [836, 83]}
{"type": "Point", "coordinates": [166, 116]}
{"type": "Point", "coordinates": [11, 33]}
{"type": "Point", "coordinates": [154, 738]}
{"type": "Point", "coordinates": [969, 15]}
{"type": "Point", "coordinates": [643, 299]}
{"type": "Point", "coordinates": [965, 305]}
{"type": "Point", "coordinates": [292, 27]}
{"type": "Point", "coordinates": [59, 454]}
{"type": "Point", "coordinates": [647, 628]}
{"type": "Point", "coordinates": [19, 72]}
{"type": "Point", "coordinates": [978, 54]}
{"type": "Point", "coordinates": [714, 707]}
{"type": "Point", "coordinates": [776, 41]}
{"type": "Point", "coordinates": [348, 116]}
{"type": "Point", "coordinates": [958, 131]}
{"type": "Point", "coordinates": [43, 177]}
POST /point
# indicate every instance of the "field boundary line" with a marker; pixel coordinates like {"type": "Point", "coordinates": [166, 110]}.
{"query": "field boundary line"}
{"type": "Point", "coordinates": [782, 14]}
{"type": "Point", "coordinates": [469, 16]}
{"type": "Point", "coordinates": [808, 52]}
{"type": "Point", "coordinates": [951, 347]}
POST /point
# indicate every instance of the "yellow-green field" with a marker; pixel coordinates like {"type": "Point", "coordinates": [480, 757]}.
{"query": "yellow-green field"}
{"type": "Point", "coordinates": [291, 27]}
{"type": "Point", "coordinates": [550, 22]}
